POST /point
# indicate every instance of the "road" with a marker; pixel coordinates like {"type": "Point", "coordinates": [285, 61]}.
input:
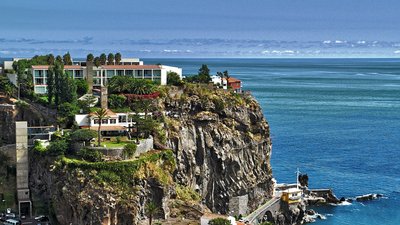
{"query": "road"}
{"type": "Point", "coordinates": [261, 210]}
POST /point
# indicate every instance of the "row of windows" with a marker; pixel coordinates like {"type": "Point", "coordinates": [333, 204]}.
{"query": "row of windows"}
{"type": "Point", "coordinates": [121, 119]}
{"type": "Point", "coordinates": [135, 73]}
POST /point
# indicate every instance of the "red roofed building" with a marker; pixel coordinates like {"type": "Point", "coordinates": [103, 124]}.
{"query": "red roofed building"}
{"type": "Point", "coordinates": [232, 83]}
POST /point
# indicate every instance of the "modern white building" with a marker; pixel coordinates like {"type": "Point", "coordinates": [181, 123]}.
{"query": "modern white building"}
{"type": "Point", "coordinates": [101, 75]}
{"type": "Point", "coordinates": [119, 122]}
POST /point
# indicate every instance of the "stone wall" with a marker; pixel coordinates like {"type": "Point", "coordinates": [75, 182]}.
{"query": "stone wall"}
{"type": "Point", "coordinates": [145, 145]}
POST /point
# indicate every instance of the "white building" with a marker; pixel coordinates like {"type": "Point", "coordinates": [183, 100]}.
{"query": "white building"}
{"type": "Point", "coordinates": [101, 75]}
{"type": "Point", "coordinates": [114, 122]}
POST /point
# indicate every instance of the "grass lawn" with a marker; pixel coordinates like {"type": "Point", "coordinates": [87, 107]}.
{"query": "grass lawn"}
{"type": "Point", "coordinates": [114, 144]}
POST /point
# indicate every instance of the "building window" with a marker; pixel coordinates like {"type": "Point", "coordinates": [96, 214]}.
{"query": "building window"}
{"type": "Point", "coordinates": [78, 74]}
{"type": "Point", "coordinates": [138, 73]}
{"type": "Point", "coordinates": [129, 73]}
{"type": "Point", "coordinates": [147, 74]}
{"type": "Point", "coordinates": [39, 81]}
{"type": "Point", "coordinates": [104, 121]}
{"type": "Point", "coordinates": [110, 73]}
{"type": "Point", "coordinates": [113, 121]}
{"type": "Point", "coordinates": [96, 121]}
{"type": "Point", "coordinates": [40, 90]}
{"type": "Point", "coordinates": [38, 73]}
{"type": "Point", "coordinates": [120, 72]}
{"type": "Point", "coordinates": [122, 119]}
{"type": "Point", "coordinates": [157, 73]}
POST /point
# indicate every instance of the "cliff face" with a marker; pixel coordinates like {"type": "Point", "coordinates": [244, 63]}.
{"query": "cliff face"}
{"type": "Point", "coordinates": [222, 147]}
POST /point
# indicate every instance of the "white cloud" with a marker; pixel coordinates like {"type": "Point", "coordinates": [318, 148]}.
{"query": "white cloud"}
{"type": "Point", "coordinates": [397, 52]}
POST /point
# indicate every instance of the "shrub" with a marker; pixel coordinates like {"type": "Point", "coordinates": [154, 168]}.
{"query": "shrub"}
{"type": "Point", "coordinates": [58, 147]}
{"type": "Point", "coordinates": [174, 79]}
{"type": "Point", "coordinates": [187, 194]}
{"type": "Point", "coordinates": [83, 135]}
{"type": "Point", "coordinates": [219, 104]}
{"type": "Point", "coordinates": [116, 101]}
{"type": "Point", "coordinates": [129, 150]}
{"type": "Point", "coordinates": [37, 146]}
{"type": "Point", "coordinates": [219, 221]}
{"type": "Point", "coordinates": [91, 155]}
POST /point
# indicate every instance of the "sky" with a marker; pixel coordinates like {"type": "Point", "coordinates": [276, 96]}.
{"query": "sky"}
{"type": "Point", "coordinates": [206, 28]}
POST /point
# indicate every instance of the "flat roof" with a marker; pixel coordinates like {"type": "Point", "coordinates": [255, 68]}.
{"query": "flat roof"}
{"type": "Point", "coordinates": [107, 67]}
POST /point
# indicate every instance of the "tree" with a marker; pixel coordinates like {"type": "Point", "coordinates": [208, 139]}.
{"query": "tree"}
{"type": "Point", "coordinates": [110, 59]}
{"type": "Point", "coordinates": [90, 57]}
{"type": "Point", "coordinates": [67, 89]}
{"type": "Point", "coordinates": [58, 147]}
{"type": "Point", "coordinates": [82, 87]}
{"type": "Point", "coordinates": [142, 87]}
{"type": "Point", "coordinates": [120, 84]}
{"type": "Point", "coordinates": [103, 59]}
{"type": "Point", "coordinates": [226, 75]}
{"type": "Point", "coordinates": [59, 59]}
{"type": "Point", "coordinates": [66, 113]}
{"type": "Point", "coordinates": [51, 59]}
{"type": "Point", "coordinates": [58, 73]}
{"type": "Point", "coordinates": [204, 70]}
{"type": "Point", "coordinates": [50, 84]}
{"type": "Point", "coordinates": [174, 79]}
{"type": "Point", "coordinates": [84, 135]}
{"type": "Point", "coordinates": [87, 102]}
{"type": "Point", "coordinates": [100, 114]}
{"type": "Point", "coordinates": [118, 58]}
{"type": "Point", "coordinates": [97, 61]}
{"type": "Point", "coordinates": [219, 221]}
{"type": "Point", "coordinates": [151, 210]}
{"type": "Point", "coordinates": [67, 59]}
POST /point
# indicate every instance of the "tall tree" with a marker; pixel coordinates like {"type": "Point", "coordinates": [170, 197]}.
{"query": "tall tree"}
{"type": "Point", "coordinates": [50, 84]}
{"type": "Point", "coordinates": [103, 59]}
{"type": "Point", "coordinates": [58, 73]}
{"type": "Point", "coordinates": [97, 61]}
{"type": "Point", "coordinates": [204, 70]}
{"type": "Point", "coordinates": [90, 57]}
{"type": "Point", "coordinates": [51, 59]}
{"type": "Point", "coordinates": [118, 58]}
{"type": "Point", "coordinates": [110, 59]}
{"type": "Point", "coordinates": [226, 75]}
{"type": "Point", "coordinates": [100, 114]}
{"type": "Point", "coordinates": [59, 59]}
{"type": "Point", "coordinates": [67, 59]}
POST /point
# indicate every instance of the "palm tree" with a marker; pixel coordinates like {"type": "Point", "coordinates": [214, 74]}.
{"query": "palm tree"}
{"type": "Point", "coordinates": [100, 114]}
{"type": "Point", "coordinates": [151, 210]}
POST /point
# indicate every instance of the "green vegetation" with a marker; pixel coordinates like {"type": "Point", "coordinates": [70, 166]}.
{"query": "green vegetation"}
{"type": "Point", "coordinates": [7, 87]}
{"type": "Point", "coordinates": [82, 87]}
{"type": "Point", "coordinates": [157, 165]}
{"type": "Point", "coordinates": [151, 210]}
{"type": "Point", "coordinates": [110, 59]}
{"type": "Point", "coordinates": [67, 59]}
{"type": "Point", "coordinates": [57, 148]}
{"type": "Point", "coordinates": [174, 79]}
{"type": "Point", "coordinates": [266, 223]}
{"type": "Point", "coordinates": [118, 58]}
{"type": "Point", "coordinates": [90, 155]}
{"type": "Point", "coordinates": [187, 194]}
{"type": "Point", "coordinates": [84, 135]}
{"type": "Point", "coordinates": [129, 150]}
{"type": "Point", "coordinates": [100, 114]}
{"type": "Point", "coordinates": [90, 57]}
{"type": "Point", "coordinates": [202, 77]}
{"type": "Point", "coordinates": [116, 101]}
{"type": "Point", "coordinates": [219, 221]}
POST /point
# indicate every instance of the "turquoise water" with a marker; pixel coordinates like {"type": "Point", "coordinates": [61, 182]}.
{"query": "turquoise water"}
{"type": "Point", "coordinates": [338, 120]}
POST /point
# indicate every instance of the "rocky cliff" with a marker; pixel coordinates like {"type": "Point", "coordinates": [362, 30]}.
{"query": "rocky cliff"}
{"type": "Point", "coordinates": [222, 147]}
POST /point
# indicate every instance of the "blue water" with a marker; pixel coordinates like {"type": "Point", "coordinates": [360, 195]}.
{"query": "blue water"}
{"type": "Point", "coordinates": [338, 120]}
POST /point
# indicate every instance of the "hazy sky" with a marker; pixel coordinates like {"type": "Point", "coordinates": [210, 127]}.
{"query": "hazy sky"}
{"type": "Point", "coordinates": [209, 28]}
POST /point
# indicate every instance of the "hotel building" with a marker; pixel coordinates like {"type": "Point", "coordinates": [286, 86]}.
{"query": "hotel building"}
{"type": "Point", "coordinates": [100, 75]}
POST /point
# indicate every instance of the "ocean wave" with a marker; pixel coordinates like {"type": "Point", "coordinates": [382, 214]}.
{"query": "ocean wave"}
{"type": "Point", "coordinates": [344, 203]}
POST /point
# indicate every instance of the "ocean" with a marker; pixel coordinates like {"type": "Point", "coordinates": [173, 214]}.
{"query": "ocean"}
{"type": "Point", "coordinates": [338, 120]}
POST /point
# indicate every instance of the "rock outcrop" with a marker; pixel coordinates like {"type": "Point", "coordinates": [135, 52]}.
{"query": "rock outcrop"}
{"type": "Point", "coordinates": [222, 146]}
